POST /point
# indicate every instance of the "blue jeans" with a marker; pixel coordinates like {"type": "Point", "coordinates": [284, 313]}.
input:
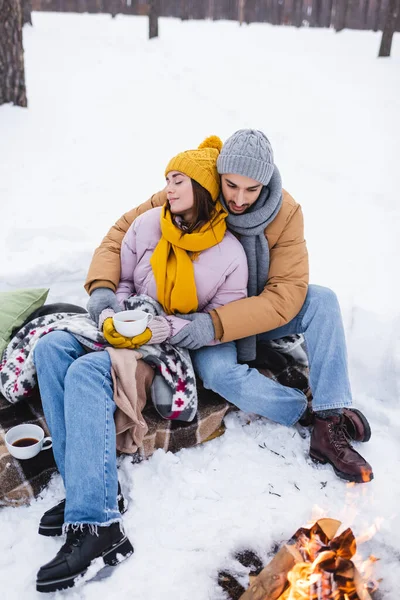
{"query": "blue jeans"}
{"type": "Point", "coordinates": [77, 397]}
{"type": "Point", "coordinates": [320, 321]}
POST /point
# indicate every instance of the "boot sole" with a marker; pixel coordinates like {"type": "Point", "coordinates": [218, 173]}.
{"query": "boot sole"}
{"type": "Point", "coordinates": [49, 530]}
{"type": "Point", "coordinates": [355, 478]}
{"type": "Point", "coordinates": [111, 557]}
{"type": "Point", "coordinates": [367, 428]}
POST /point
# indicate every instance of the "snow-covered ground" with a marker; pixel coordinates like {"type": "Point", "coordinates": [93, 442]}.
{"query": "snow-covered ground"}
{"type": "Point", "coordinates": [107, 109]}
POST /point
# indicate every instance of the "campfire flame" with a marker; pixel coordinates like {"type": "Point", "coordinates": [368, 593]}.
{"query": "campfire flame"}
{"type": "Point", "coordinates": [365, 475]}
{"type": "Point", "coordinates": [367, 573]}
{"type": "Point", "coordinates": [326, 571]}
{"type": "Point", "coordinates": [316, 565]}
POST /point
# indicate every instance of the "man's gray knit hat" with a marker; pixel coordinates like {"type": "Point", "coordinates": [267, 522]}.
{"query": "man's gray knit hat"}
{"type": "Point", "coordinates": [247, 152]}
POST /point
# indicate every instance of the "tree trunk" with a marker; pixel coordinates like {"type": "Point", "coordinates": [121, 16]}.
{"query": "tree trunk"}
{"type": "Point", "coordinates": [184, 10]}
{"type": "Point", "coordinates": [339, 13]}
{"type": "Point", "coordinates": [377, 15]}
{"type": "Point", "coordinates": [329, 9]}
{"type": "Point", "coordinates": [365, 14]}
{"type": "Point", "coordinates": [241, 7]}
{"type": "Point", "coordinates": [342, 8]}
{"type": "Point", "coordinates": [26, 12]}
{"type": "Point", "coordinates": [153, 19]}
{"type": "Point", "coordinates": [12, 72]}
{"type": "Point", "coordinates": [389, 27]}
{"type": "Point", "coordinates": [280, 8]}
{"type": "Point", "coordinates": [316, 13]}
{"type": "Point", "coordinates": [298, 10]}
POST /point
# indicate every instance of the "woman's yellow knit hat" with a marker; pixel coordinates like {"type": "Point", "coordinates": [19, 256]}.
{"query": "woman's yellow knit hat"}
{"type": "Point", "coordinates": [200, 164]}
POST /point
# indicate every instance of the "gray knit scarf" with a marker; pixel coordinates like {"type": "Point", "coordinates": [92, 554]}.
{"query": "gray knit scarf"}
{"type": "Point", "coordinates": [250, 227]}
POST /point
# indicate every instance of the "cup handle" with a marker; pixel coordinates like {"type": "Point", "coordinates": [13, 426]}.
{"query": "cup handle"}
{"type": "Point", "coordinates": [150, 317]}
{"type": "Point", "coordinates": [49, 442]}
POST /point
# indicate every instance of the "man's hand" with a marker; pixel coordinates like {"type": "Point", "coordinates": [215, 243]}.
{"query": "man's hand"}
{"type": "Point", "coordinates": [198, 333]}
{"type": "Point", "coordinates": [100, 299]}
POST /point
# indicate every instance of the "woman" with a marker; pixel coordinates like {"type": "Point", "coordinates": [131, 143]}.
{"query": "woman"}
{"type": "Point", "coordinates": [182, 256]}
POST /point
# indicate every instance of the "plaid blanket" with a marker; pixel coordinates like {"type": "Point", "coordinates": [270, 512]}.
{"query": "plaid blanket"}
{"type": "Point", "coordinates": [20, 481]}
{"type": "Point", "coordinates": [173, 389]}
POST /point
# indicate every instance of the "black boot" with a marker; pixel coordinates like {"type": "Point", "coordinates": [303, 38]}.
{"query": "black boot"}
{"type": "Point", "coordinates": [53, 519]}
{"type": "Point", "coordinates": [81, 548]}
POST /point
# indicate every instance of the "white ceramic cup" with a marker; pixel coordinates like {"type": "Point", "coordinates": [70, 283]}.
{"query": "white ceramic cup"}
{"type": "Point", "coordinates": [24, 431]}
{"type": "Point", "coordinates": [131, 322]}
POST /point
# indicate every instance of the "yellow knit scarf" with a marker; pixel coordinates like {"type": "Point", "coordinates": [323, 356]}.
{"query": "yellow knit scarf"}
{"type": "Point", "coordinates": [173, 266]}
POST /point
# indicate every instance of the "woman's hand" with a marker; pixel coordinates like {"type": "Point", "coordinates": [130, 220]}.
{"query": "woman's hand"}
{"type": "Point", "coordinates": [119, 341]}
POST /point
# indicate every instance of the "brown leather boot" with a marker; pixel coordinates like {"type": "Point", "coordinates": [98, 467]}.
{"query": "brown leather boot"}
{"type": "Point", "coordinates": [356, 424]}
{"type": "Point", "coordinates": [329, 443]}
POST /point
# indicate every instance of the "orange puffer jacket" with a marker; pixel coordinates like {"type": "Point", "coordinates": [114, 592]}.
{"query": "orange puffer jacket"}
{"type": "Point", "coordinates": [279, 302]}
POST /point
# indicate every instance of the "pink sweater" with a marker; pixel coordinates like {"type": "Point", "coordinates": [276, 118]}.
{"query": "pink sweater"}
{"type": "Point", "coordinates": [220, 272]}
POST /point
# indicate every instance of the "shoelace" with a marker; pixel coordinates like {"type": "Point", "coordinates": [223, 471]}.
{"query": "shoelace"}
{"type": "Point", "coordinates": [74, 539]}
{"type": "Point", "coordinates": [338, 435]}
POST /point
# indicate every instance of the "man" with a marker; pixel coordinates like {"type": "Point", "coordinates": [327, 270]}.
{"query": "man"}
{"type": "Point", "coordinates": [269, 224]}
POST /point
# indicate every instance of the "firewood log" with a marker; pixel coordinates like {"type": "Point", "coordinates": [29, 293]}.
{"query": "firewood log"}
{"type": "Point", "coordinates": [272, 580]}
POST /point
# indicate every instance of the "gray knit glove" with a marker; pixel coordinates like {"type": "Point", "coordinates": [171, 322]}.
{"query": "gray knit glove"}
{"type": "Point", "coordinates": [100, 299]}
{"type": "Point", "coordinates": [198, 333]}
